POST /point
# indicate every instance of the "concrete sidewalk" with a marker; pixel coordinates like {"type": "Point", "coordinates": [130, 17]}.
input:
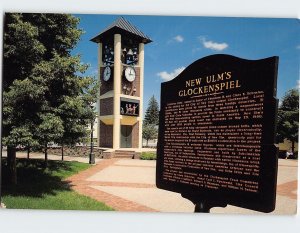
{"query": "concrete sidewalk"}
{"type": "Point", "coordinates": [129, 185]}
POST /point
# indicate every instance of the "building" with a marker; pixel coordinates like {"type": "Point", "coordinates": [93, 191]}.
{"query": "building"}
{"type": "Point", "coordinates": [121, 73]}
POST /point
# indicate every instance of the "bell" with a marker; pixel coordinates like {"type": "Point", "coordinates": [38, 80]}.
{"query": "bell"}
{"type": "Point", "coordinates": [130, 53]}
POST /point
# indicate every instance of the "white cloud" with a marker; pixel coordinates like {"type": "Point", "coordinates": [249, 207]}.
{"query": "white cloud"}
{"type": "Point", "coordinates": [165, 76]}
{"type": "Point", "coordinates": [194, 50]}
{"type": "Point", "coordinates": [298, 47]}
{"type": "Point", "coordinates": [298, 84]}
{"type": "Point", "coordinates": [209, 44]}
{"type": "Point", "coordinates": [178, 38]}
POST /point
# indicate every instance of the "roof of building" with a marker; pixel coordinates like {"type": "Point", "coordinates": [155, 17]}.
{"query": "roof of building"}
{"type": "Point", "coordinates": [122, 26]}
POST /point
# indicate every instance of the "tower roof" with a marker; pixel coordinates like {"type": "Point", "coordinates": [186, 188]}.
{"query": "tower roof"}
{"type": "Point", "coordinates": [122, 26]}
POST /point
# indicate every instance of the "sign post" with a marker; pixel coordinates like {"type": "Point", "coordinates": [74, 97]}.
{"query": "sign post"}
{"type": "Point", "coordinates": [217, 131]}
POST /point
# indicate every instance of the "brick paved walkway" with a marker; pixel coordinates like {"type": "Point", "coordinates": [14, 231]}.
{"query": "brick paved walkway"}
{"type": "Point", "coordinates": [80, 183]}
{"type": "Point", "coordinates": [129, 185]}
{"type": "Point", "coordinates": [288, 189]}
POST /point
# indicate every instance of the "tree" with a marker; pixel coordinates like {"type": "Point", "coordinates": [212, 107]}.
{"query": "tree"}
{"type": "Point", "coordinates": [18, 136]}
{"type": "Point", "coordinates": [78, 112]}
{"type": "Point", "coordinates": [21, 49]}
{"type": "Point", "coordinates": [49, 130]}
{"type": "Point", "coordinates": [149, 132]}
{"type": "Point", "coordinates": [31, 38]}
{"type": "Point", "coordinates": [288, 118]}
{"type": "Point", "coordinates": [19, 106]}
{"type": "Point", "coordinates": [152, 112]}
{"type": "Point", "coordinates": [40, 79]}
{"type": "Point", "coordinates": [68, 95]}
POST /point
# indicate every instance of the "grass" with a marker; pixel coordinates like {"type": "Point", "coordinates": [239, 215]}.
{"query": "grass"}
{"type": "Point", "coordinates": [148, 156]}
{"type": "Point", "coordinates": [45, 188]}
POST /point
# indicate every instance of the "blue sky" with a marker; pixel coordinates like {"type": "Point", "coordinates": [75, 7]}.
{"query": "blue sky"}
{"type": "Point", "coordinates": [179, 41]}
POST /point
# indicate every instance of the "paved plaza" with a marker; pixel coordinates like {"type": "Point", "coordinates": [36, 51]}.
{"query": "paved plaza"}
{"type": "Point", "coordinates": [129, 185]}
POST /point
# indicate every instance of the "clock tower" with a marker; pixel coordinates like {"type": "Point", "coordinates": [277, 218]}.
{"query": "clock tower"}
{"type": "Point", "coordinates": [121, 75]}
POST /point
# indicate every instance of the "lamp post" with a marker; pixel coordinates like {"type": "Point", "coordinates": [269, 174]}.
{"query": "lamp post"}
{"type": "Point", "coordinates": [92, 155]}
{"type": "Point", "coordinates": [0, 172]}
{"type": "Point", "coordinates": [1, 148]}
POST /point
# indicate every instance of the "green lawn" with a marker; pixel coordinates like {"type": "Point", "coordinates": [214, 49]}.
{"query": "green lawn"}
{"type": "Point", "coordinates": [46, 188]}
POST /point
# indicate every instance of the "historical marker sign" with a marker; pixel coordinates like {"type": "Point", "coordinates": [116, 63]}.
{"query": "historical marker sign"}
{"type": "Point", "coordinates": [217, 130]}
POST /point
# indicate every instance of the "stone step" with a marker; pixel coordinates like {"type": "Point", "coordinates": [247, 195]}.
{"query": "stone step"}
{"type": "Point", "coordinates": [124, 154]}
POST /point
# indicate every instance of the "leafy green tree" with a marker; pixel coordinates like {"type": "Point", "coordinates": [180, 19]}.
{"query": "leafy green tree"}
{"type": "Point", "coordinates": [77, 113]}
{"type": "Point", "coordinates": [149, 132]}
{"type": "Point", "coordinates": [30, 38]}
{"type": "Point", "coordinates": [18, 136]}
{"type": "Point", "coordinates": [67, 95]}
{"type": "Point", "coordinates": [20, 103]}
{"type": "Point", "coordinates": [152, 112]}
{"type": "Point", "coordinates": [42, 81]}
{"type": "Point", "coordinates": [288, 117]}
{"type": "Point", "coordinates": [22, 48]}
{"type": "Point", "coordinates": [49, 130]}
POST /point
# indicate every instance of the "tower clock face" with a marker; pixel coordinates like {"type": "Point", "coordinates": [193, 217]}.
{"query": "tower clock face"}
{"type": "Point", "coordinates": [106, 73]}
{"type": "Point", "coordinates": [130, 74]}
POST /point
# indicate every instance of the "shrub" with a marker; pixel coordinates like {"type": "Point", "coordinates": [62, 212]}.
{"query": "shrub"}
{"type": "Point", "coordinates": [148, 156]}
